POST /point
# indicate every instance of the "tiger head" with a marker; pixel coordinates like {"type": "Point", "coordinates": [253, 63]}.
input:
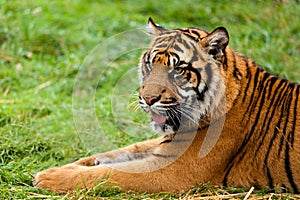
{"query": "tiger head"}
{"type": "Point", "coordinates": [181, 74]}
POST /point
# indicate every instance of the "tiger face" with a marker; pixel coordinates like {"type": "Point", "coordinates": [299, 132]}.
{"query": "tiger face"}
{"type": "Point", "coordinates": [182, 76]}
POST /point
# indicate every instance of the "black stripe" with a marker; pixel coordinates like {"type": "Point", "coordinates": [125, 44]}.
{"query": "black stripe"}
{"type": "Point", "coordinates": [236, 73]}
{"type": "Point", "coordinates": [184, 30]}
{"type": "Point", "coordinates": [225, 62]}
{"type": "Point", "coordinates": [176, 58]}
{"type": "Point", "coordinates": [161, 46]}
{"type": "Point", "coordinates": [196, 33]}
{"type": "Point", "coordinates": [209, 73]}
{"type": "Point", "coordinates": [254, 91]}
{"type": "Point", "coordinates": [196, 55]}
{"type": "Point", "coordinates": [177, 48]}
{"type": "Point", "coordinates": [188, 75]}
{"type": "Point", "coordinates": [292, 134]}
{"type": "Point", "coordinates": [200, 95]}
{"type": "Point", "coordinates": [203, 127]}
{"type": "Point", "coordinates": [248, 77]}
{"type": "Point", "coordinates": [272, 93]}
{"type": "Point", "coordinates": [165, 141]}
{"type": "Point", "coordinates": [288, 109]}
{"type": "Point", "coordinates": [160, 41]}
{"type": "Point", "coordinates": [168, 58]}
{"type": "Point", "coordinates": [185, 44]}
{"type": "Point", "coordinates": [283, 132]}
{"type": "Point", "coordinates": [261, 90]}
{"type": "Point", "coordinates": [182, 62]}
{"type": "Point", "coordinates": [225, 179]}
{"type": "Point", "coordinates": [295, 115]}
{"type": "Point", "coordinates": [163, 156]}
{"type": "Point", "coordinates": [270, 179]}
{"type": "Point", "coordinates": [288, 169]}
{"type": "Point", "coordinates": [190, 36]}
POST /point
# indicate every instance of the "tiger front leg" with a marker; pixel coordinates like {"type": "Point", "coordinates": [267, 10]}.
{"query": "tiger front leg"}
{"type": "Point", "coordinates": [69, 177]}
{"type": "Point", "coordinates": [135, 151]}
{"type": "Point", "coordinates": [167, 168]}
{"type": "Point", "coordinates": [139, 175]}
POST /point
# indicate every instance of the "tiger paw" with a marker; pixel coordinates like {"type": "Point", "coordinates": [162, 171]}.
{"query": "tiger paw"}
{"type": "Point", "coordinates": [60, 179]}
{"type": "Point", "coordinates": [70, 177]}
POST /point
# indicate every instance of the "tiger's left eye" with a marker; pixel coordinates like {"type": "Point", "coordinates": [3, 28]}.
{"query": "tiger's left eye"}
{"type": "Point", "coordinates": [179, 70]}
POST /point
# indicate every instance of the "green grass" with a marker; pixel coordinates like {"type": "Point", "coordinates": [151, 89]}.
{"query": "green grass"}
{"type": "Point", "coordinates": [42, 47]}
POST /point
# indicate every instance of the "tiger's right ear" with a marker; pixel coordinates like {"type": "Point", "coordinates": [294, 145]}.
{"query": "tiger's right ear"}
{"type": "Point", "coordinates": [154, 29]}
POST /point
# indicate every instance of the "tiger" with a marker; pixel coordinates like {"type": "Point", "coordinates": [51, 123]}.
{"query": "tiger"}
{"type": "Point", "coordinates": [223, 119]}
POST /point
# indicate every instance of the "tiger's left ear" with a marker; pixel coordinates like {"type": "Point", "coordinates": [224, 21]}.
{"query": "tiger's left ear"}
{"type": "Point", "coordinates": [215, 43]}
{"type": "Point", "coordinates": [154, 29]}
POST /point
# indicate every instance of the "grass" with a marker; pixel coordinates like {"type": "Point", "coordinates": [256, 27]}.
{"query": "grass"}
{"type": "Point", "coordinates": [43, 45]}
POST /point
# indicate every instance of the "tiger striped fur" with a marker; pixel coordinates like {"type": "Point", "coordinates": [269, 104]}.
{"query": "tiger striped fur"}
{"type": "Point", "coordinates": [190, 79]}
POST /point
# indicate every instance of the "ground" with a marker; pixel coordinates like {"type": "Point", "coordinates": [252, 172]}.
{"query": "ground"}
{"type": "Point", "coordinates": [43, 46]}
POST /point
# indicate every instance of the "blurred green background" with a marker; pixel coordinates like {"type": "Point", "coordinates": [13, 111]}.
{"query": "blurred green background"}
{"type": "Point", "coordinates": [42, 46]}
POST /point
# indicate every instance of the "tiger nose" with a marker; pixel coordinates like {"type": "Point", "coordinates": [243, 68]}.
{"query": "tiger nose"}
{"type": "Point", "coordinates": [150, 100]}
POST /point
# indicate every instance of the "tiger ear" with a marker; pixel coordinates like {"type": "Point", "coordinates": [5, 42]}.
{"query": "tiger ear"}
{"type": "Point", "coordinates": [216, 42]}
{"type": "Point", "coordinates": [154, 29]}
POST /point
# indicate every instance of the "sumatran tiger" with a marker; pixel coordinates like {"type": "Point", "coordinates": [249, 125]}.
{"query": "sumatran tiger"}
{"type": "Point", "coordinates": [224, 121]}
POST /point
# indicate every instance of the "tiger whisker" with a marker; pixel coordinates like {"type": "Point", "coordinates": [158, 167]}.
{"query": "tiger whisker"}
{"type": "Point", "coordinates": [134, 106]}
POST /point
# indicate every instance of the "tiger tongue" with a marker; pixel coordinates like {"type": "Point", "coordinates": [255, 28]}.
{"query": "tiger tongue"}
{"type": "Point", "coordinates": [158, 118]}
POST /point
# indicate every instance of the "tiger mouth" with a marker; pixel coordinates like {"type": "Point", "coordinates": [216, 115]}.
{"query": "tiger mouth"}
{"type": "Point", "coordinates": [157, 118]}
{"type": "Point", "coordinates": [167, 121]}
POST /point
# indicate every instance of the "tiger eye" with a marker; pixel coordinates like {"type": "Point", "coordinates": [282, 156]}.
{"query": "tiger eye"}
{"type": "Point", "coordinates": [179, 70]}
